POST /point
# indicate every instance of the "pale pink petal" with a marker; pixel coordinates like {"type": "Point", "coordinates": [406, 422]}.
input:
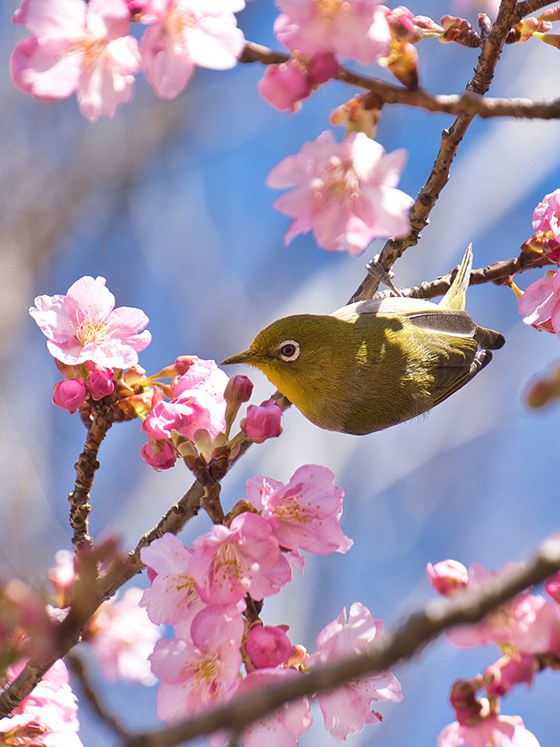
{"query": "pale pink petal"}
{"type": "Point", "coordinates": [216, 43]}
{"type": "Point", "coordinates": [43, 68]}
{"type": "Point", "coordinates": [52, 19]}
{"type": "Point", "coordinates": [168, 73]}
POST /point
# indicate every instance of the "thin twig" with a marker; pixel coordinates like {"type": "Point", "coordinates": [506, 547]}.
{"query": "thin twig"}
{"type": "Point", "coordinates": [393, 647]}
{"type": "Point", "coordinates": [469, 102]}
{"type": "Point", "coordinates": [450, 140]}
{"type": "Point", "coordinates": [78, 669]}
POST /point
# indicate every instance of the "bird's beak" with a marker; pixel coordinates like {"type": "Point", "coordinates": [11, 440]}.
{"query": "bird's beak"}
{"type": "Point", "coordinates": [243, 357]}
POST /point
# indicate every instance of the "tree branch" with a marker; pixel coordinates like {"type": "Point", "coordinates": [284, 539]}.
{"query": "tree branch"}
{"type": "Point", "coordinates": [468, 102]}
{"type": "Point", "coordinates": [393, 647]}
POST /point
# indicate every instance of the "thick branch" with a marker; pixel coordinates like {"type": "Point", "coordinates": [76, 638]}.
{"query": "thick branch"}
{"type": "Point", "coordinates": [392, 648]}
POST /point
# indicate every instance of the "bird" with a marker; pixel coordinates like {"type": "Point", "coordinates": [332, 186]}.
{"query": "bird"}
{"type": "Point", "coordinates": [376, 363]}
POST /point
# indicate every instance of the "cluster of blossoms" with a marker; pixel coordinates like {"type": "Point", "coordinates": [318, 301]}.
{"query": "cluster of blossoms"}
{"type": "Point", "coordinates": [47, 717]}
{"type": "Point", "coordinates": [119, 633]}
{"type": "Point", "coordinates": [95, 346]}
{"type": "Point", "coordinates": [211, 593]}
{"type": "Point", "coordinates": [527, 631]}
{"type": "Point", "coordinates": [87, 49]}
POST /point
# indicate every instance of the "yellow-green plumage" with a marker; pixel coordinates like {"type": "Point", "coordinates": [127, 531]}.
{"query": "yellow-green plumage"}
{"type": "Point", "coordinates": [375, 363]}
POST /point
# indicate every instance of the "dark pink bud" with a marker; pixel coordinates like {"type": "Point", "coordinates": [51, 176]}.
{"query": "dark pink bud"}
{"type": "Point", "coordinates": [285, 85]}
{"type": "Point", "coordinates": [322, 68]}
{"type": "Point", "coordinates": [262, 422]}
{"type": "Point", "coordinates": [100, 383]}
{"type": "Point", "coordinates": [268, 646]}
{"type": "Point", "coordinates": [70, 394]}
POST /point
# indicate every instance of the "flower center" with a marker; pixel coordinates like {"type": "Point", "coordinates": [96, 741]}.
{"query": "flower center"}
{"type": "Point", "coordinates": [207, 669]}
{"type": "Point", "coordinates": [328, 9]}
{"type": "Point", "coordinates": [339, 184]}
{"type": "Point", "coordinates": [179, 23]}
{"type": "Point", "coordinates": [92, 330]}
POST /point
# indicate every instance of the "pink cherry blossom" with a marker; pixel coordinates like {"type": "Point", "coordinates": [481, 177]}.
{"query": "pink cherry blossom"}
{"type": "Point", "coordinates": [100, 383]}
{"type": "Point", "coordinates": [262, 421]}
{"type": "Point", "coordinates": [159, 454]}
{"type": "Point", "coordinates": [268, 646]}
{"type": "Point", "coordinates": [122, 637]}
{"type": "Point", "coordinates": [281, 728]}
{"type": "Point", "coordinates": [198, 671]}
{"type": "Point", "coordinates": [348, 709]}
{"type": "Point", "coordinates": [528, 623]}
{"type": "Point", "coordinates": [173, 596]}
{"type": "Point", "coordinates": [540, 303]}
{"type": "Point", "coordinates": [84, 326]}
{"type": "Point", "coordinates": [447, 576]}
{"type": "Point", "coordinates": [70, 394]}
{"type": "Point", "coordinates": [305, 513]}
{"type": "Point", "coordinates": [344, 192]}
{"type": "Point", "coordinates": [185, 33]}
{"type": "Point", "coordinates": [356, 29]}
{"type": "Point", "coordinates": [77, 47]}
{"type": "Point", "coordinates": [506, 731]}
{"type": "Point", "coordinates": [546, 216]}
{"type": "Point", "coordinates": [48, 716]}
{"type": "Point", "coordinates": [229, 562]}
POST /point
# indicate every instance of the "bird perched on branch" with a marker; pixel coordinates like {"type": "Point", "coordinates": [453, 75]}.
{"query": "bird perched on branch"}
{"type": "Point", "coordinates": [373, 364]}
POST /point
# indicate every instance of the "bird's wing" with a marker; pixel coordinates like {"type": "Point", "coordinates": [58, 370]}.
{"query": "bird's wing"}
{"type": "Point", "coordinates": [428, 316]}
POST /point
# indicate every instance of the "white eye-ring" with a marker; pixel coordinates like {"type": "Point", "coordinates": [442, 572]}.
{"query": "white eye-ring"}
{"type": "Point", "coordinates": [289, 350]}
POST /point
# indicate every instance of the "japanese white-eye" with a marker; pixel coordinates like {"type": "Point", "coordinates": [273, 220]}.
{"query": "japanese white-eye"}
{"type": "Point", "coordinates": [376, 363]}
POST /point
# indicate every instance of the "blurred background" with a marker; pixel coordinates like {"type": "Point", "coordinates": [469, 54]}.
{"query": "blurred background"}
{"type": "Point", "coordinates": [168, 202]}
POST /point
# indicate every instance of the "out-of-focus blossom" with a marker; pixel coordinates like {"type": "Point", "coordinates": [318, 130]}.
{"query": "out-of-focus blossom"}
{"type": "Point", "coordinates": [506, 731]}
{"type": "Point", "coordinates": [70, 394]}
{"type": "Point", "coordinates": [62, 576]}
{"type": "Point", "coordinates": [198, 671]}
{"type": "Point", "coordinates": [356, 29]}
{"type": "Point", "coordinates": [528, 624]}
{"type": "Point", "coordinates": [285, 85]}
{"type": "Point", "coordinates": [344, 192]}
{"type": "Point", "coordinates": [185, 33]}
{"type": "Point", "coordinates": [173, 596]}
{"type": "Point", "coordinates": [84, 326]}
{"type": "Point", "coordinates": [268, 646]}
{"type": "Point", "coordinates": [447, 576]}
{"type": "Point", "coordinates": [229, 562]}
{"type": "Point", "coordinates": [262, 421]}
{"type": "Point", "coordinates": [281, 728]}
{"type": "Point", "coordinates": [305, 513]}
{"type": "Point", "coordinates": [77, 47]}
{"type": "Point", "coordinates": [122, 637]}
{"type": "Point", "coordinates": [47, 717]}
{"type": "Point", "coordinates": [346, 710]}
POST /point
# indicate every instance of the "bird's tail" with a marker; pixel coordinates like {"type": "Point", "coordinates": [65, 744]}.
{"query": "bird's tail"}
{"type": "Point", "coordinates": [456, 295]}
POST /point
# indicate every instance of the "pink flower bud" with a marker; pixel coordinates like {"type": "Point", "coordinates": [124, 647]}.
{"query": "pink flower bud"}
{"type": "Point", "coordinates": [322, 68]}
{"type": "Point", "coordinates": [100, 383]}
{"type": "Point", "coordinates": [70, 394]}
{"type": "Point", "coordinates": [262, 422]}
{"type": "Point", "coordinates": [552, 587]}
{"type": "Point", "coordinates": [447, 576]}
{"type": "Point", "coordinates": [285, 85]}
{"type": "Point", "coordinates": [268, 646]}
{"type": "Point", "coordinates": [238, 390]}
{"type": "Point", "coordinates": [159, 454]}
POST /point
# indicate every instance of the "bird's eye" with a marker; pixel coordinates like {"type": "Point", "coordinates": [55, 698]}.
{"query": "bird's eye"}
{"type": "Point", "coordinates": [289, 350]}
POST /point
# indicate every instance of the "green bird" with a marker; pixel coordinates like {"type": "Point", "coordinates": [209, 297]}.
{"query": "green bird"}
{"type": "Point", "coordinates": [373, 364]}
